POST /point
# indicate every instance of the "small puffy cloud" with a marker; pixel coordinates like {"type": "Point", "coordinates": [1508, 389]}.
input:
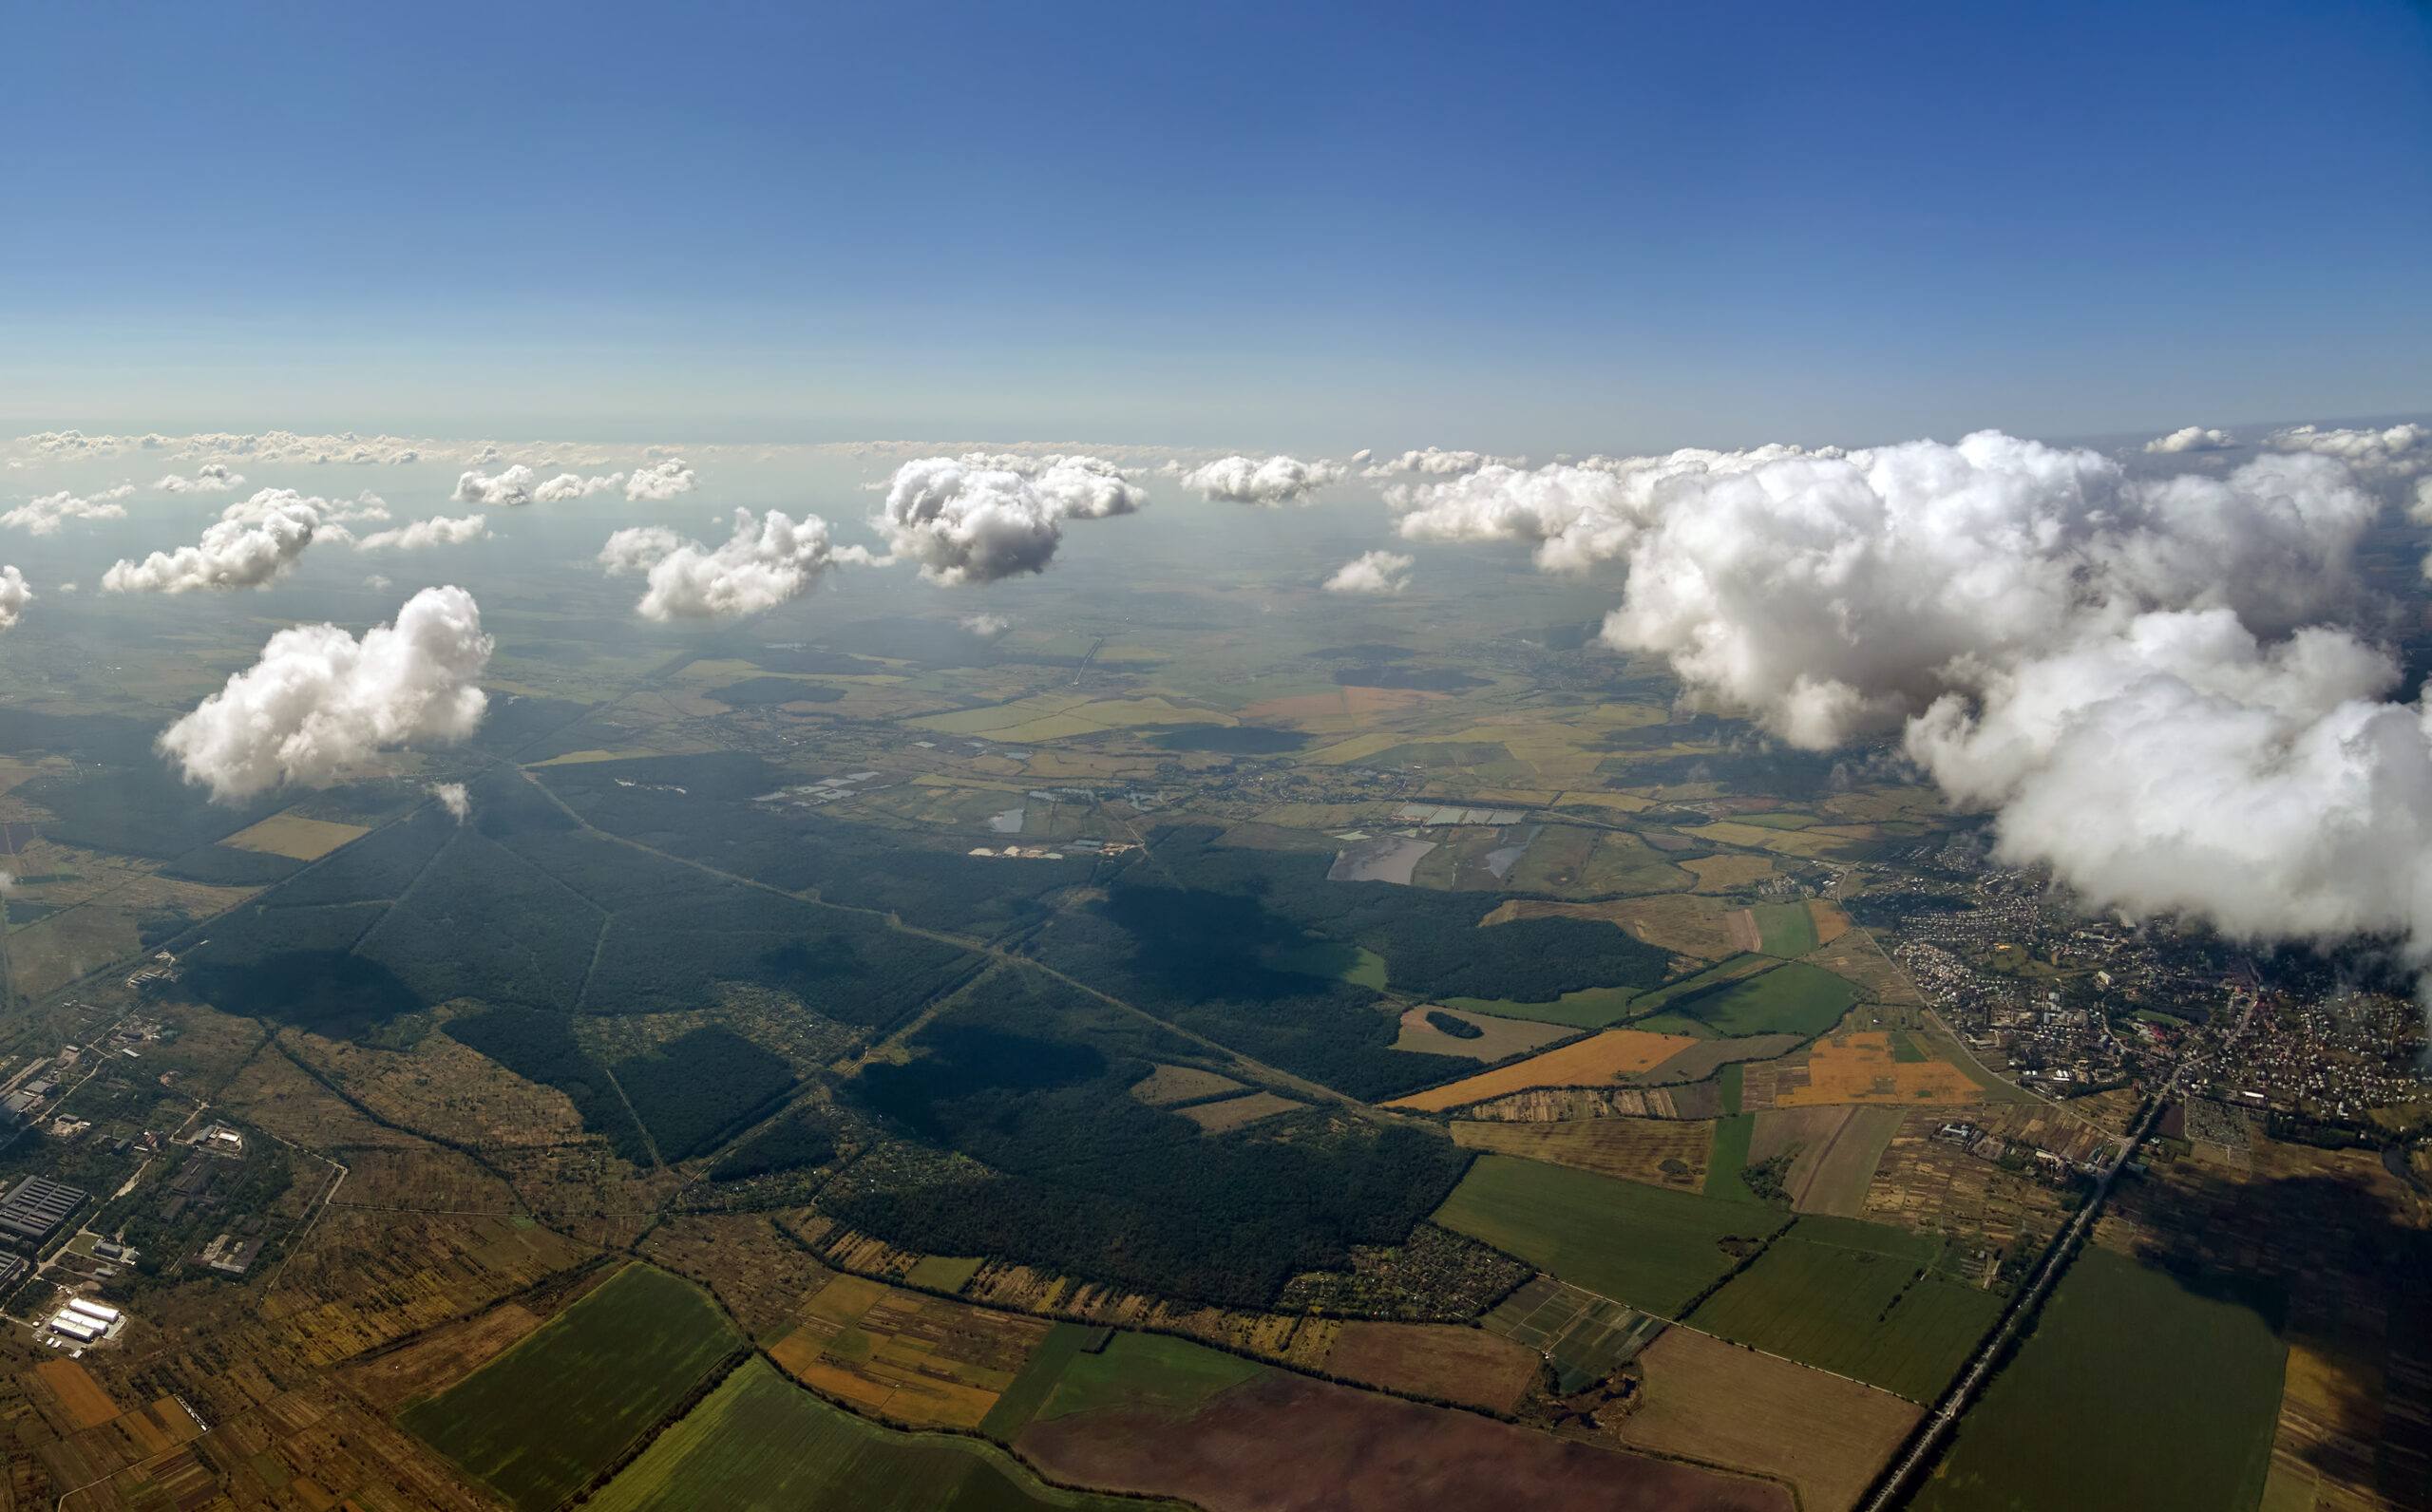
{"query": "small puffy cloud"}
{"type": "Point", "coordinates": [1376, 571]}
{"type": "Point", "coordinates": [661, 482]}
{"type": "Point", "coordinates": [507, 489]}
{"type": "Point", "coordinates": [2399, 449]}
{"type": "Point", "coordinates": [251, 551]}
{"type": "Point", "coordinates": [574, 486]}
{"type": "Point", "coordinates": [1434, 463]}
{"type": "Point", "coordinates": [438, 530]}
{"type": "Point", "coordinates": [44, 516]}
{"type": "Point", "coordinates": [2191, 437]}
{"type": "Point", "coordinates": [969, 523]}
{"type": "Point", "coordinates": [319, 700]}
{"type": "Point", "coordinates": [454, 797]}
{"type": "Point", "coordinates": [1275, 481]}
{"type": "Point", "coordinates": [378, 582]}
{"type": "Point", "coordinates": [15, 595]}
{"type": "Point", "coordinates": [211, 478]}
{"type": "Point", "coordinates": [987, 627]}
{"type": "Point", "coordinates": [763, 564]}
{"type": "Point", "coordinates": [366, 507]}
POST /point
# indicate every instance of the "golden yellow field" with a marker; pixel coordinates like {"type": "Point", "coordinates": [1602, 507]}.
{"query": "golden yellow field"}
{"type": "Point", "coordinates": [1595, 1061]}
{"type": "Point", "coordinates": [295, 837]}
{"type": "Point", "coordinates": [1715, 874]}
{"type": "Point", "coordinates": [919, 1360]}
{"type": "Point", "coordinates": [1858, 1068]}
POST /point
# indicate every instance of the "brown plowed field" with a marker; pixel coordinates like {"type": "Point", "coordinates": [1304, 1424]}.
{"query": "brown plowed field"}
{"type": "Point", "coordinates": [1283, 1442]}
{"type": "Point", "coordinates": [1595, 1061]}
{"type": "Point", "coordinates": [1632, 1148]}
{"type": "Point", "coordinates": [1442, 1360]}
{"type": "Point", "coordinates": [1729, 1406]}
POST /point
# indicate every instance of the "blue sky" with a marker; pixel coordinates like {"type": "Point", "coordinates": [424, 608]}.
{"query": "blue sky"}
{"type": "Point", "coordinates": [1537, 228]}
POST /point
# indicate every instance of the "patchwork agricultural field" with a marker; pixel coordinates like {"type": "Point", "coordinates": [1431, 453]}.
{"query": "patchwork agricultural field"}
{"type": "Point", "coordinates": [1661, 1152]}
{"type": "Point", "coordinates": [1645, 1247]}
{"type": "Point", "coordinates": [541, 1421]}
{"type": "Point", "coordinates": [761, 1444]}
{"type": "Point", "coordinates": [1791, 998]}
{"type": "Point", "coordinates": [1856, 1299]}
{"type": "Point", "coordinates": [2166, 1400]}
{"type": "Point", "coordinates": [913, 1359]}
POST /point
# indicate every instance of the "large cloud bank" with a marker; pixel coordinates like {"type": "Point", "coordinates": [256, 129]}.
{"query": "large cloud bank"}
{"type": "Point", "coordinates": [980, 519]}
{"type": "Point", "coordinates": [319, 700]}
{"type": "Point", "coordinates": [765, 564]}
{"type": "Point", "coordinates": [2148, 679]}
{"type": "Point", "coordinates": [1275, 481]}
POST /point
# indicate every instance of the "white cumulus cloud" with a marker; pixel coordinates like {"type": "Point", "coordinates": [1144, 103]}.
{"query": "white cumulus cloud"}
{"type": "Point", "coordinates": [211, 478]}
{"type": "Point", "coordinates": [963, 522]}
{"type": "Point", "coordinates": [763, 564]}
{"type": "Point", "coordinates": [45, 514]}
{"type": "Point", "coordinates": [2399, 449]}
{"type": "Point", "coordinates": [15, 595]}
{"type": "Point", "coordinates": [2191, 437]}
{"type": "Point", "coordinates": [1376, 571]}
{"type": "Point", "coordinates": [662, 481]}
{"type": "Point", "coordinates": [2147, 679]}
{"type": "Point", "coordinates": [1275, 481]}
{"type": "Point", "coordinates": [253, 550]}
{"type": "Point", "coordinates": [574, 486]}
{"type": "Point", "coordinates": [439, 530]}
{"type": "Point", "coordinates": [509, 489]}
{"type": "Point", "coordinates": [319, 700]}
{"type": "Point", "coordinates": [454, 797]}
{"type": "Point", "coordinates": [1433, 462]}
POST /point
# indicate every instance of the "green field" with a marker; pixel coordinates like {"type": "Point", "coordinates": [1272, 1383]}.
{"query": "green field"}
{"type": "Point", "coordinates": [1036, 1382]}
{"type": "Point", "coordinates": [540, 1421]}
{"type": "Point", "coordinates": [1793, 998]}
{"type": "Point", "coordinates": [1728, 1156]}
{"type": "Point", "coordinates": [1847, 1297]}
{"type": "Point", "coordinates": [1590, 1007]}
{"type": "Point", "coordinates": [1147, 1372]}
{"type": "Point", "coordinates": [1735, 968]}
{"type": "Point", "coordinates": [759, 1442]}
{"type": "Point", "coordinates": [2165, 1400]}
{"type": "Point", "coordinates": [1785, 929]}
{"type": "Point", "coordinates": [1905, 1046]}
{"type": "Point", "coordinates": [1641, 1245]}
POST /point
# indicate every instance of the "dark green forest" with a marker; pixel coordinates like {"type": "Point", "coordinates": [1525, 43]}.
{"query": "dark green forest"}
{"type": "Point", "coordinates": [1096, 1183]}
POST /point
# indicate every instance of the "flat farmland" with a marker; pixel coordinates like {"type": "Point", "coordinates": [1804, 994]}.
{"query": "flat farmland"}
{"type": "Point", "coordinates": [1661, 1152]}
{"type": "Point", "coordinates": [1706, 1057]}
{"type": "Point", "coordinates": [1848, 1297]}
{"type": "Point", "coordinates": [761, 1444]}
{"type": "Point", "coordinates": [540, 1421]}
{"type": "Point", "coordinates": [2166, 1401]}
{"type": "Point", "coordinates": [1793, 998]}
{"type": "Point", "coordinates": [1836, 1147]}
{"type": "Point", "coordinates": [1785, 929]}
{"type": "Point", "coordinates": [1285, 1443]}
{"type": "Point", "coordinates": [1596, 1061]}
{"type": "Point", "coordinates": [1497, 1037]}
{"type": "Point", "coordinates": [1440, 1360]}
{"type": "Point", "coordinates": [1651, 1249]}
{"type": "Point", "coordinates": [1715, 1402]}
{"type": "Point", "coordinates": [1589, 1007]}
{"type": "Point", "coordinates": [1237, 1112]}
{"type": "Point", "coordinates": [1865, 1066]}
{"type": "Point", "coordinates": [919, 1360]}
{"type": "Point", "coordinates": [295, 837]}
